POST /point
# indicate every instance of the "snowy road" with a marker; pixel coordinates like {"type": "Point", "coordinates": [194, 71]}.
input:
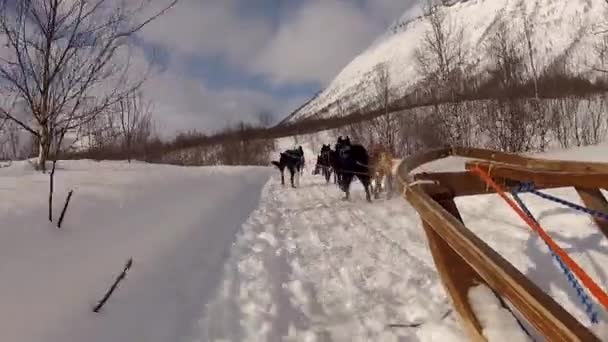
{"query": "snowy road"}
{"type": "Point", "coordinates": [308, 266]}
{"type": "Point", "coordinates": [311, 267]}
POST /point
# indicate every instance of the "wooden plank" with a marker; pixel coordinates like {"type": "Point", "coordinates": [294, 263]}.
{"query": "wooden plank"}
{"type": "Point", "coordinates": [465, 183]}
{"type": "Point", "coordinates": [490, 155]}
{"type": "Point", "coordinates": [462, 183]}
{"type": "Point", "coordinates": [412, 162]}
{"type": "Point", "coordinates": [594, 199]}
{"type": "Point", "coordinates": [541, 311]}
{"type": "Point", "coordinates": [456, 275]}
{"type": "Point", "coordinates": [457, 278]}
{"type": "Point", "coordinates": [529, 162]}
{"type": "Point", "coordinates": [542, 178]}
{"type": "Point", "coordinates": [416, 160]}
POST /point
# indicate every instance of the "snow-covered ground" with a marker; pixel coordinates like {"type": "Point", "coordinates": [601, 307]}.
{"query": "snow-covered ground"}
{"type": "Point", "coordinates": [228, 254]}
{"type": "Point", "coordinates": [310, 267]}
{"type": "Point", "coordinates": [176, 223]}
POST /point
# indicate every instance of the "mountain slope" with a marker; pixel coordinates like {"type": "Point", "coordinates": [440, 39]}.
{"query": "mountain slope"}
{"type": "Point", "coordinates": [558, 28]}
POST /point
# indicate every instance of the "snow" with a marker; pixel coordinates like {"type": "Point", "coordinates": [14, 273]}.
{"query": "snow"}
{"type": "Point", "coordinates": [558, 26]}
{"type": "Point", "coordinates": [497, 322]}
{"type": "Point", "coordinates": [176, 223]}
{"type": "Point", "coordinates": [335, 270]}
{"type": "Point", "coordinates": [228, 254]}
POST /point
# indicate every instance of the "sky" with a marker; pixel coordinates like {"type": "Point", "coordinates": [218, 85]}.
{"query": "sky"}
{"type": "Point", "coordinates": [217, 62]}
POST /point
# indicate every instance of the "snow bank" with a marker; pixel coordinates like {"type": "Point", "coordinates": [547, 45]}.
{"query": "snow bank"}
{"type": "Point", "coordinates": [498, 323]}
{"type": "Point", "coordinates": [177, 224]}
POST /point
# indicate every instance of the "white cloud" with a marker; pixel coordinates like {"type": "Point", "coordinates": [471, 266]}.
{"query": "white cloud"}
{"type": "Point", "coordinates": [182, 103]}
{"type": "Point", "coordinates": [311, 43]}
{"type": "Point", "coordinates": [317, 41]}
{"type": "Point", "coordinates": [389, 10]}
{"type": "Point", "coordinates": [209, 28]}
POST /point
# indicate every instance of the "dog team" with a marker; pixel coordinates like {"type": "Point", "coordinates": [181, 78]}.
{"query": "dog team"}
{"type": "Point", "coordinates": [346, 161]}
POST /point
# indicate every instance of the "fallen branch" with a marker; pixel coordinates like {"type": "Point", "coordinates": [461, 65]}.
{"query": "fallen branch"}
{"type": "Point", "coordinates": [51, 183]}
{"type": "Point", "coordinates": [418, 324]}
{"type": "Point", "coordinates": [65, 207]}
{"type": "Point", "coordinates": [114, 286]}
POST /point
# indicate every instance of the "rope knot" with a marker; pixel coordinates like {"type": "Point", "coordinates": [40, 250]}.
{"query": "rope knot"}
{"type": "Point", "coordinates": [526, 187]}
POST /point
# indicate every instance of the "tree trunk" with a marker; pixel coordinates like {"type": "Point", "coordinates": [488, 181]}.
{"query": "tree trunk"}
{"type": "Point", "coordinates": [44, 146]}
{"type": "Point", "coordinates": [129, 151]}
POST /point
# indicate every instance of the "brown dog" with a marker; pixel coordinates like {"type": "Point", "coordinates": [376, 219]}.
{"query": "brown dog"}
{"type": "Point", "coordinates": [381, 168]}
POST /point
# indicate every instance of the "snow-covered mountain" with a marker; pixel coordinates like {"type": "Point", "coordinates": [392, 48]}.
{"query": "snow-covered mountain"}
{"type": "Point", "coordinates": [556, 28]}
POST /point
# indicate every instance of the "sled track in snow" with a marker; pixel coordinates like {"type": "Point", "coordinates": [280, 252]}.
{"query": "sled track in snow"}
{"type": "Point", "coordinates": [356, 269]}
{"type": "Point", "coordinates": [463, 260]}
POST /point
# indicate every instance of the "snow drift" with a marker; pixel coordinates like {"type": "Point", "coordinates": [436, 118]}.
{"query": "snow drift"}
{"type": "Point", "coordinates": [178, 225]}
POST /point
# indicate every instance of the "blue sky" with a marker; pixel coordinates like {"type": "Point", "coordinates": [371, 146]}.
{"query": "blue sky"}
{"type": "Point", "coordinates": [221, 61]}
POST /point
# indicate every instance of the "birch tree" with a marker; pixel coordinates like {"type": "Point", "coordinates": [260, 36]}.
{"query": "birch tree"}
{"type": "Point", "coordinates": [68, 61]}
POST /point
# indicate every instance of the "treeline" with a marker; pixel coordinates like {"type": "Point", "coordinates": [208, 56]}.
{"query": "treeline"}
{"type": "Point", "coordinates": [240, 144]}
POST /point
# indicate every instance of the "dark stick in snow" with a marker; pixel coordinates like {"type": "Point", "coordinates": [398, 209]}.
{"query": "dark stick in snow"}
{"type": "Point", "coordinates": [114, 286]}
{"type": "Point", "coordinates": [416, 325]}
{"type": "Point", "coordinates": [65, 207]}
{"type": "Point", "coordinates": [51, 183]}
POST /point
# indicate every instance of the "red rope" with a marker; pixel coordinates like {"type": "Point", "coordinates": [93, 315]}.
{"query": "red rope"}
{"type": "Point", "coordinates": [595, 289]}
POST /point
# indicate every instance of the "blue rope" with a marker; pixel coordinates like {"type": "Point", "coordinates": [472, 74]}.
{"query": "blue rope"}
{"type": "Point", "coordinates": [529, 187]}
{"type": "Point", "coordinates": [580, 291]}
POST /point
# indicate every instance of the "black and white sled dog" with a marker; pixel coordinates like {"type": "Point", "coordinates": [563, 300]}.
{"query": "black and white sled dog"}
{"type": "Point", "coordinates": [294, 161]}
{"type": "Point", "coordinates": [352, 161]}
{"type": "Point", "coordinates": [326, 162]}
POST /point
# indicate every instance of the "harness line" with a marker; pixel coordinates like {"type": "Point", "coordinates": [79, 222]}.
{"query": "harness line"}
{"type": "Point", "coordinates": [593, 287]}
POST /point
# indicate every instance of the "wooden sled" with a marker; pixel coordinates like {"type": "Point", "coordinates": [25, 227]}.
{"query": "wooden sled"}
{"type": "Point", "coordinates": [463, 260]}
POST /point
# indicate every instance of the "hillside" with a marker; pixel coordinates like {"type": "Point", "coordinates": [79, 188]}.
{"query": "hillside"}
{"type": "Point", "coordinates": [557, 29]}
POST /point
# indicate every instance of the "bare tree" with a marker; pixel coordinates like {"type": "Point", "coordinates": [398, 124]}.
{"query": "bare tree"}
{"type": "Point", "coordinates": [102, 131]}
{"type": "Point", "coordinates": [505, 120]}
{"type": "Point", "coordinates": [601, 46]}
{"type": "Point", "coordinates": [4, 139]}
{"type": "Point", "coordinates": [528, 31]}
{"type": "Point", "coordinates": [385, 125]}
{"type": "Point", "coordinates": [265, 118]}
{"type": "Point", "coordinates": [62, 61]}
{"type": "Point", "coordinates": [441, 55]}
{"type": "Point", "coordinates": [135, 119]}
{"type": "Point", "coordinates": [601, 51]}
{"type": "Point", "coordinates": [441, 61]}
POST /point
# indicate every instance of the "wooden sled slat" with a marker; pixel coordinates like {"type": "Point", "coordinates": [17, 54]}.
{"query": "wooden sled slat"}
{"type": "Point", "coordinates": [539, 164]}
{"type": "Point", "coordinates": [552, 179]}
{"type": "Point", "coordinates": [456, 275]}
{"type": "Point", "coordinates": [539, 309]}
{"type": "Point", "coordinates": [465, 183]}
{"type": "Point", "coordinates": [594, 199]}
{"type": "Point", "coordinates": [416, 160]}
{"type": "Point", "coordinates": [457, 278]}
{"type": "Point", "coordinates": [450, 240]}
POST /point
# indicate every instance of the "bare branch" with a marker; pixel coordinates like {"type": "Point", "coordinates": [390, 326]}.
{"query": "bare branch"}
{"type": "Point", "coordinates": [63, 61]}
{"type": "Point", "coordinates": [147, 21]}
